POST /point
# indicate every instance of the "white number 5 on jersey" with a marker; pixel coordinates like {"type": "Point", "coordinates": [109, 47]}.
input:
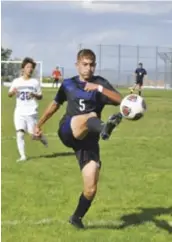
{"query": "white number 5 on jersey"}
{"type": "Point", "coordinates": [81, 105]}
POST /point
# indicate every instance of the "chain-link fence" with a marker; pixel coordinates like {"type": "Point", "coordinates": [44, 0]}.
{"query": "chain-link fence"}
{"type": "Point", "coordinates": [118, 62]}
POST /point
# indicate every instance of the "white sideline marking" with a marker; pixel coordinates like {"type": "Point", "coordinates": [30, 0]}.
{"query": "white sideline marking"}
{"type": "Point", "coordinates": [105, 223]}
{"type": "Point", "coordinates": [24, 221]}
{"type": "Point", "coordinates": [8, 138]}
{"type": "Point", "coordinates": [51, 220]}
{"type": "Point", "coordinates": [53, 136]}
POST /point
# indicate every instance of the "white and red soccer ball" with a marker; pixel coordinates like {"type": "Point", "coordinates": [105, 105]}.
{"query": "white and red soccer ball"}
{"type": "Point", "coordinates": [133, 107]}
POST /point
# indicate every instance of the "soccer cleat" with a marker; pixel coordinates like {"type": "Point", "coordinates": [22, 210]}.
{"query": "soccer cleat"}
{"type": "Point", "coordinates": [140, 93]}
{"type": "Point", "coordinates": [131, 90]}
{"type": "Point", "coordinates": [22, 158]}
{"type": "Point", "coordinates": [76, 222]}
{"type": "Point", "coordinates": [44, 141]}
{"type": "Point", "coordinates": [111, 124]}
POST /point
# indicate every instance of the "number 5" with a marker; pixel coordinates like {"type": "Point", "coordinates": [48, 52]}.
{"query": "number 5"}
{"type": "Point", "coordinates": [81, 105]}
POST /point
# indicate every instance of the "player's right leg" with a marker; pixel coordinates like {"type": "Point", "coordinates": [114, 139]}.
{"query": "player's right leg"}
{"type": "Point", "coordinates": [57, 81]}
{"type": "Point", "coordinates": [20, 126]}
{"type": "Point", "coordinates": [140, 88]}
{"type": "Point", "coordinates": [90, 175]}
{"type": "Point", "coordinates": [53, 82]}
{"type": "Point", "coordinates": [88, 156]}
{"type": "Point", "coordinates": [87, 153]}
{"type": "Point", "coordinates": [132, 89]}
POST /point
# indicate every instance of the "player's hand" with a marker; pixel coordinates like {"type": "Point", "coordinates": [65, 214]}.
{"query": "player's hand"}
{"type": "Point", "coordinates": [31, 95]}
{"type": "Point", "coordinates": [90, 87]}
{"type": "Point", "coordinates": [14, 91]}
{"type": "Point", "coordinates": [37, 131]}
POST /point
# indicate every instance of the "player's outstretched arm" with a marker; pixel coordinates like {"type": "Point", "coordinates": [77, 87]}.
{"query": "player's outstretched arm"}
{"type": "Point", "coordinates": [13, 89]}
{"type": "Point", "coordinates": [36, 95]}
{"type": "Point", "coordinates": [12, 92]}
{"type": "Point", "coordinates": [112, 95]}
{"type": "Point", "coordinates": [51, 109]}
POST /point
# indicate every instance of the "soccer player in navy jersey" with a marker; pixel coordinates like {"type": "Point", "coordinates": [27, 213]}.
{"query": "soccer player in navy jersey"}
{"type": "Point", "coordinates": [81, 126]}
{"type": "Point", "coordinates": [140, 73]}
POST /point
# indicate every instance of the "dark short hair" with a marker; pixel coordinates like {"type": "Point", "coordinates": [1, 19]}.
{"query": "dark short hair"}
{"type": "Point", "coordinates": [86, 53]}
{"type": "Point", "coordinates": [140, 64]}
{"type": "Point", "coordinates": [28, 60]}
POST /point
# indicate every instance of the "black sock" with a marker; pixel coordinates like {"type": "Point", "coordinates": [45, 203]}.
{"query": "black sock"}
{"type": "Point", "coordinates": [140, 93]}
{"type": "Point", "coordinates": [94, 124]}
{"type": "Point", "coordinates": [82, 207]}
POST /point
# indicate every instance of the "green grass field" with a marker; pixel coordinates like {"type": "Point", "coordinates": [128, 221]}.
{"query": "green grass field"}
{"type": "Point", "coordinates": [134, 199]}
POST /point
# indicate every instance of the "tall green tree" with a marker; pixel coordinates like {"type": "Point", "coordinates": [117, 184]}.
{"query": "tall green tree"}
{"type": "Point", "coordinates": [8, 70]}
{"type": "Point", "coordinates": [5, 54]}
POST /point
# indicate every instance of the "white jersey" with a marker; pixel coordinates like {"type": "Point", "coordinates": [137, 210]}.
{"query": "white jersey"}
{"type": "Point", "coordinates": [26, 105]}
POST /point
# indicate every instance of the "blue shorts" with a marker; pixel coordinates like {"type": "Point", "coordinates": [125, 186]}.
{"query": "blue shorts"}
{"type": "Point", "coordinates": [86, 149]}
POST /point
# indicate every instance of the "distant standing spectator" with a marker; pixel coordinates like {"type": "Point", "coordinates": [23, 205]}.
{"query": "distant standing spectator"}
{"type": "Point", "coordinates": [56, 75]}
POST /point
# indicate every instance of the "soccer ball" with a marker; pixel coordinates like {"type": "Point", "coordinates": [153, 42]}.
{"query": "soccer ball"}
{"type": "Point", "coordinates": [133, 107]}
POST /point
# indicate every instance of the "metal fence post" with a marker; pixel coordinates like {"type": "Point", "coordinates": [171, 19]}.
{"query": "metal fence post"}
{"type": "Point", "coordinates": [100, 59]}
{"type": "Point", "coordinates": [156, 64]}
{"type": "Point", "coordinates": [119, 63]}
{"type": "Point", "coordinates": [138, 54]}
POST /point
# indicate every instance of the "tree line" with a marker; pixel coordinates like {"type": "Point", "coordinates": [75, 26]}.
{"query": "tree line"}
{"type": "Point", "coordinates": [9, 71]}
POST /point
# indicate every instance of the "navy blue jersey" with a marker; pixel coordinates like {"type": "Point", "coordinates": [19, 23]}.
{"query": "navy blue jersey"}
{"type": "Point", "coordinates": [140, 73]}
{"type": "Point", "coordinates": [80, 101]}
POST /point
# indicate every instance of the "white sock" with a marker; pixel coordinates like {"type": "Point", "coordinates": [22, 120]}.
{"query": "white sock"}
{"type": "Point", "coordinates": [21, 143]}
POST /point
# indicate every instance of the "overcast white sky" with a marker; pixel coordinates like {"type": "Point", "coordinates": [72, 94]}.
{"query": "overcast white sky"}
{"type": "Point", "coordinates": [52, 31]}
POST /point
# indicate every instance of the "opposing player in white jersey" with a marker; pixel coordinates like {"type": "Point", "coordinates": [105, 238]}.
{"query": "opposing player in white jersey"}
{"type": "Point", "coordinates": [27, 91]}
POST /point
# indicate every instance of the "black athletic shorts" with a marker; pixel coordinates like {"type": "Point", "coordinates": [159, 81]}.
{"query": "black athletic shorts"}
{"type": "Point", "coordinates": [56, 80]}
{"type": "Point", "coordinates": [139, 82]}
{"type": "Point", "coordinates": [86, 149]}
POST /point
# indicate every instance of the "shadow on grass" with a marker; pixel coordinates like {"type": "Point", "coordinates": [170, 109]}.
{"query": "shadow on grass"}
{"type": "Point", "coordinates": [136, 219]}
{"type": "Point", "coordinates": [53, 155]}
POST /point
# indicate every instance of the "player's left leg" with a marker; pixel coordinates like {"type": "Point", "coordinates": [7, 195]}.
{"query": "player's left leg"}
{"type": "Point", "coordinates": [79, 124]}
{"type": "Point", "coordinates": [31, 121]}
{"type": "Point", "coordinates": [82, 124]}
{"type": "Point", "coordinates": [90, 169]}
